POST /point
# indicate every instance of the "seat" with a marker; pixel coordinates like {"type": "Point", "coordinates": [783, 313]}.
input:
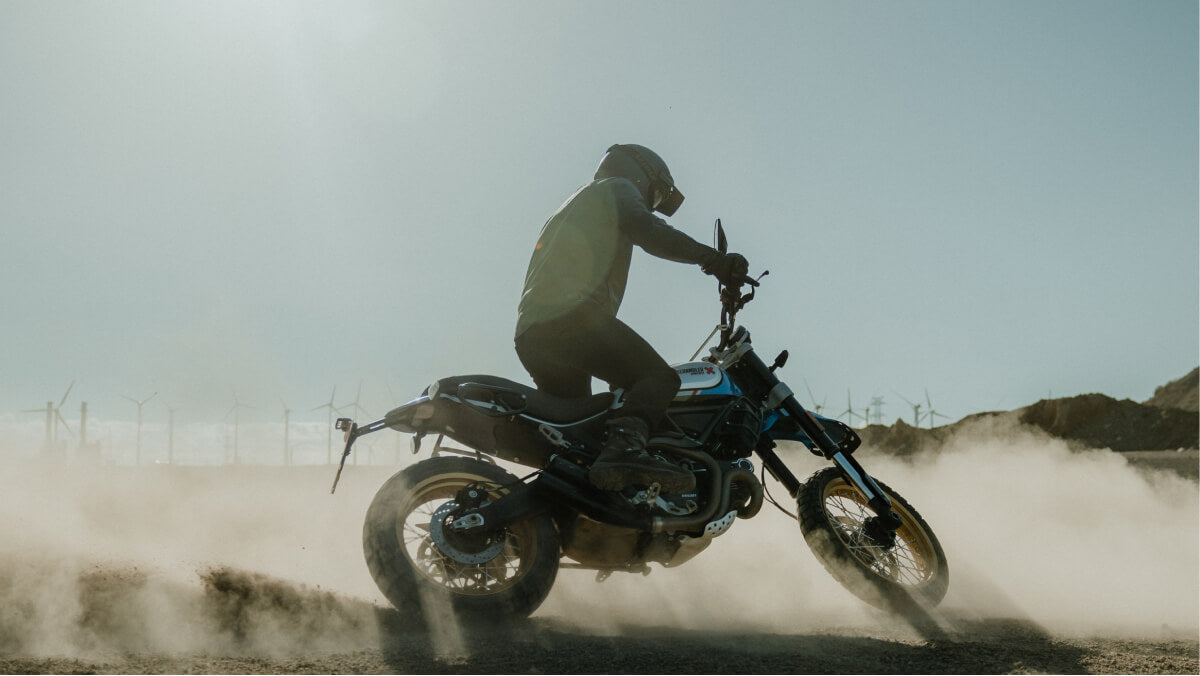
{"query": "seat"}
{"type": "Point", "coordinates": [538, 404]}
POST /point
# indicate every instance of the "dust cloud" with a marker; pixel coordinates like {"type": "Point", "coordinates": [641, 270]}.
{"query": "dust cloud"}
{"type": "Point", "coordinates": [227, 560]}
{"type": "Point", "coordinates": [1076, 542]}
{"type": "Point", "coordinates": [263, 560]}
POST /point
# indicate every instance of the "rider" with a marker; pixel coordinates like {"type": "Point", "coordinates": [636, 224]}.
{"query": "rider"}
{"type": "Point", "coordinates": [567, 329]}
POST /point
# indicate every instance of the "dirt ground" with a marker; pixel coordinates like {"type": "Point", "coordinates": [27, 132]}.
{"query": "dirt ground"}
{"type": "Point", "coordinates": [126, 620]}
{"type": "Point", "coordinates": [542, 646]}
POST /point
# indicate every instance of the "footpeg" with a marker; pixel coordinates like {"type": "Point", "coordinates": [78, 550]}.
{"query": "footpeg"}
{"type": "Point", "coordinates": [605, 573]}
{"type": "Point", "coordinates": [553, 435]}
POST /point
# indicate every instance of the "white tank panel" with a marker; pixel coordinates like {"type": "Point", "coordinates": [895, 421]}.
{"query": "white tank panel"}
{"type": "Point", "coordinates": [697, 375]}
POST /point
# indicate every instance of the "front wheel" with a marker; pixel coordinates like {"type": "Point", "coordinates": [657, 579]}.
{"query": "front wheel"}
{"type": "Point", "coordinates": [890, 576]}
{"type": "Point", "coordinates": [420, 564]}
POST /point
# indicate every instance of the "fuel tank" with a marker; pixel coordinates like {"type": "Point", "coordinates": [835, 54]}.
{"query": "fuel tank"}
{"type": "Point", "coordinates": [700, 380]}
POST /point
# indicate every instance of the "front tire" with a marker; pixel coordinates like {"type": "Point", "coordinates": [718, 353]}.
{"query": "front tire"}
{"type": "Point", "coordinates": [894, 578]}
{"type": "Point", "coordinates": [419, 565]}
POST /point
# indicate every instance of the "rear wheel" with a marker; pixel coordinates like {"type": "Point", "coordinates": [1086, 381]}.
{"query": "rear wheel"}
{"type": "Point", "coordinates": [893, 576]}
{"type": "Point", "coordinates": [419, 562]}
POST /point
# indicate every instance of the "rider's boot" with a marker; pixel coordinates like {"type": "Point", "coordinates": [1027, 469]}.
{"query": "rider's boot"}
{"type": "Point", "coordinates": [625, 462]}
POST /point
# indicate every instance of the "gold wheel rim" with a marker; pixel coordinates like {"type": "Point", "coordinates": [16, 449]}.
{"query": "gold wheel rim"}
{"type": "Point", "coordinates": [911, 562]}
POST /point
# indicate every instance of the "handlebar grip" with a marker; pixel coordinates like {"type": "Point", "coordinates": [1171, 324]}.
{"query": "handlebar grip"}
{"type": "Point", "coordinates": [742, 281]}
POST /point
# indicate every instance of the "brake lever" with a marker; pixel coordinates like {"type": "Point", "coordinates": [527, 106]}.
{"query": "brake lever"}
{"type": "Point", "coordinates": [735, 295]}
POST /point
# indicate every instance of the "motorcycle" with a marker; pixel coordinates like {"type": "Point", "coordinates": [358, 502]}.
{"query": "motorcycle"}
{"type": "Point", "coordinates": [459, 530]}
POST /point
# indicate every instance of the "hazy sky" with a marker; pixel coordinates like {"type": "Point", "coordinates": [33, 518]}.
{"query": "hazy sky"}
{"type": "Point", "coordinates": [995, 201]}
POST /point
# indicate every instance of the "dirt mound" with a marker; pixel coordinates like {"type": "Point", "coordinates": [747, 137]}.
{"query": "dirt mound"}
{"type": "Point", "coordinates": [1166, 422]}
{"type": "Point", "coordinates": [1183, 393]}
{"type": "Point", "coordinates": [63, 608]}
{"type": "Point", "coordinates": [255, 610]}
{"type": "Point", "coordinates": [1100, 421]}
{"type": "Point", "coordinates": [901, 438]}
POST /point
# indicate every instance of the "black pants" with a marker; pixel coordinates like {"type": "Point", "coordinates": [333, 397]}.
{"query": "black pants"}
{"type": "Point", "coordinates": [564, 354]}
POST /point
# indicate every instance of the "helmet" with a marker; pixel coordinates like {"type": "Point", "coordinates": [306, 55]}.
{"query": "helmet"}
{"type": "Point", "coordinates": [646, 170]}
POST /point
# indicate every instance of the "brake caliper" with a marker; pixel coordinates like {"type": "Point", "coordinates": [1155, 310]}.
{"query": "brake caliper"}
{"type": "Point", "coordinates": [459, 532]}
{"type": "Point", "coordinates": [882, 529]}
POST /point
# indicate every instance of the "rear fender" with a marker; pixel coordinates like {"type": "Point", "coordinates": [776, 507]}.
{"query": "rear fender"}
{"type": "Point", "coordinates": [411, 417]}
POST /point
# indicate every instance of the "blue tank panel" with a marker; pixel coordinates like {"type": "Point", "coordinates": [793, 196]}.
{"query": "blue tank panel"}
{"type": "Point", "coordinates": [794, 434]}
{"type": "Point", "coordinates": [788, 432]}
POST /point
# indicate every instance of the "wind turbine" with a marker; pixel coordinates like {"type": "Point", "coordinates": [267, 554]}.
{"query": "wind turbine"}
{"type": "Point", "coordinates": [849, 409]}
{"type": "Point", "coordinates": [236, 411]}
{"type": "Point", "coordinates": [170, 433]}
{"type": "Point", "coordinates": [49, 411]}
{"type": "Point", "coordinates": [53, 415]}
{"type": "Point", "coordinates": [82, 425]}
{"type": "Point", "coordinates": [931, 412]}
{"type": "Point", "coordinates": [329, 456]}
{"type": "Point", "coordinates": [849, 413]}
{"type": "Point", "coordinates": [358, 411]}
{"type": "Point", "coordinates": [138, 460]}
{"type": "Point", "coordinates": [58, 413]}
{"type": "Point", "coordinates": [916, 409]}
{"type": "Point", "coordinates": [816, 407]}
{"type": "Point", "coordinates": [287, 451]}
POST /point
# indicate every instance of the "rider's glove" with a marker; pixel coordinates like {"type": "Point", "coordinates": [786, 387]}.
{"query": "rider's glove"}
{"type": "Point", "coordinates": [729, 269]}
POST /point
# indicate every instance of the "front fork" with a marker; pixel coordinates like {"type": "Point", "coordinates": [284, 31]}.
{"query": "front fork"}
{"type": "Point", "coordinates": [881, 527]}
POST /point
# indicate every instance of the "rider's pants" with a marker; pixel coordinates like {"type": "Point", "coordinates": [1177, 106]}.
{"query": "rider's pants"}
{"type": "Point", "coordinates": [562, 356]}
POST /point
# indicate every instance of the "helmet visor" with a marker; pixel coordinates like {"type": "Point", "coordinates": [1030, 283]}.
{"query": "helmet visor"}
{"type": "Point", "coordinates": [667, 198]}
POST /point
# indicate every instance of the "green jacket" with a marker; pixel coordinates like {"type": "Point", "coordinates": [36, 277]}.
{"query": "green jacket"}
{"type": "Point", "coordinates": [583, 251]}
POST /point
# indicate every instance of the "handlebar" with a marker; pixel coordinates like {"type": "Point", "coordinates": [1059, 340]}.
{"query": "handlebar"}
{"type": "Point", "coordinates": [732, 300]}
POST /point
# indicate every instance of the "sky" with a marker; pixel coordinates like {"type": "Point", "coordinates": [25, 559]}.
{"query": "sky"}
{"type": "Point", "coordinates": [988, 202]}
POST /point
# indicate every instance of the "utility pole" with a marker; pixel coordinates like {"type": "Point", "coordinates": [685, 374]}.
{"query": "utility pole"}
{"type": "Point", "coordinates": [877, 407]}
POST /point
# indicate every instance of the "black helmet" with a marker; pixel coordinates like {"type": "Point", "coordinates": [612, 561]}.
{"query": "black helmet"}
{"type": "Point", "coordinates": [645, 169]}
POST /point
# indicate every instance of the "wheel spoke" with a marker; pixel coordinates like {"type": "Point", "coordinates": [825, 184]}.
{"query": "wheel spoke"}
{"type": "Point", "coordinates": [430, 561]}
{"type": "Point", "coordinates": [903, 562]}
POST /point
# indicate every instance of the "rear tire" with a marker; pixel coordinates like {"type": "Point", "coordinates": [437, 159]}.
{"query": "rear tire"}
{"type": "Point", "coordinates": [905, 578]}
{"type": "Point", "coordinates": [429, 581]}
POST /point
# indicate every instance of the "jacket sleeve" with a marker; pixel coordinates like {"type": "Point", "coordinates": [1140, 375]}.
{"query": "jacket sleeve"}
{"type": "Point", "coordinates": [652, 233]}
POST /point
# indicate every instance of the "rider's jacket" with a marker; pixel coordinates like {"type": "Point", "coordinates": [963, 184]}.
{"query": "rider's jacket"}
{"type": "Point", "coordinates": [583, 251]}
